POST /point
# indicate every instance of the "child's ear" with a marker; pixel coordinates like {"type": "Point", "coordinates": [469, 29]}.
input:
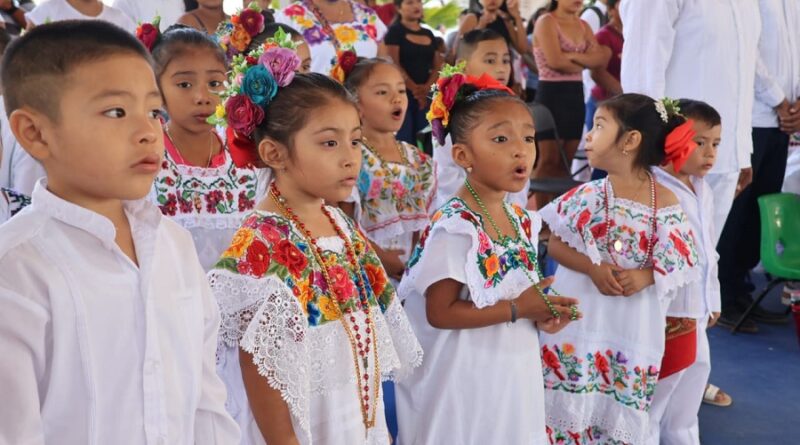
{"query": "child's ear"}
{"type": "Point", "coordinates": [461, 156]}
{"type": "Point", "coordinates": [632, 141]}
{"type": "Point", "coordinates": [33, 132]}
{"type": "Point", "coordinates": [274, 154]}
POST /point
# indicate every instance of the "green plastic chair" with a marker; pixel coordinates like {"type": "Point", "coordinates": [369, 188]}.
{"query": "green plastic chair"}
{"type": "Point", "coordinates": [780, 243]}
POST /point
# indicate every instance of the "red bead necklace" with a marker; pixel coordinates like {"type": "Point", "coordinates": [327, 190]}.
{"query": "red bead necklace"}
{"type": "Point", "coordinates": [360, 344]}
{"type": "Point", "coordinates": [651, 240]}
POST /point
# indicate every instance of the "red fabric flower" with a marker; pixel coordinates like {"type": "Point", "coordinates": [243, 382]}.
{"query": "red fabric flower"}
{"type": "Point", "coordinates": [252, 21]}
{"type": "Point", "coordinates": [243, 151]}
{"type": "Point", "coordinates": [342, 285]}
{"type": "Point", "coordinates": [449, 87]}
{"type": "Point", "coordinates": [242, 114]}
{"type": "Point", "coordinates": [679, 145]}
{"type": "Point", "coordinates": [347, 60]}
{"type": "Point", "coordinates": [147, 33]}
{"type": "Point", "coordinates": [288, 255]}
{"type": "Point", "coordinates": [487, 82]}
{"type": "Point", "coordinates": [258, 258]}
{"type": "Point", "coordinates": [583, 219]}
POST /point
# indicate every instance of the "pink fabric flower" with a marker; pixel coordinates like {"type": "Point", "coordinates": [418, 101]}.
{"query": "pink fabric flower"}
{"type": "Point", "coordinates": [282, 63]}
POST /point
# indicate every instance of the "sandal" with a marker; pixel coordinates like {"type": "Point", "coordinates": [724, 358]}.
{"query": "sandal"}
{"type": "Point", "coordinates": [716, 397]}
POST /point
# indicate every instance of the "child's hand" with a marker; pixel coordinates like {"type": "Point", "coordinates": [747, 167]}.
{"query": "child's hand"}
{"type": "Point", "coordinates": [712, 320]}
{"type": "Point", "coordinates": [605, 279]}
{"type": "Point", "coordinates": [552, 325]}
{"type": "Point", "coordinates": [634, 280]}
{"type": "Point", "coordinates": [392, 263]}
{"type": "Point", "coordinates": [531, 305]}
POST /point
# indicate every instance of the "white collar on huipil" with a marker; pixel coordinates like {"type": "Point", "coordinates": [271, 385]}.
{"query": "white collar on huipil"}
{"type": "Point", "coordinates": [698, 49]}
{"type": "Point", "coordinates": [778, 69]}
{"type": "Point", "coordinates": [98, 350]}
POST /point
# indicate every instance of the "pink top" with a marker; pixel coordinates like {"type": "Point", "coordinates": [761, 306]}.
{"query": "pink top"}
{"type": "Point", "coordinates": [548, 74]}
{"type": "Point", "coordinates": [216, 161]}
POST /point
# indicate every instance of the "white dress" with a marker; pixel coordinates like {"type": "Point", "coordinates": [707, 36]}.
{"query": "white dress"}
{"type": "Point", "coordinates": [395, 198]}
{"type": "Point", "coordinates": [56, 10]}
{"type": "Point", "coordinates": [476, 386]}
{"type": "Point", "coordinates": [276, 305]}
{"type": "Point", "coordinates": [450, 177]}
{"type": "Point", "coordinates": [600, 373]}
{"type": "Point", "coordinates": [209, 202]}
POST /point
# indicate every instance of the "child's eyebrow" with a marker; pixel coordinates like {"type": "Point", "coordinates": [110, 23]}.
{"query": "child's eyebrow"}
{"type": "Point", "coordinates": [499, 124]}
{"type": "Point", "coordinates": [105, 94]}
{"type": "Point", "coordinates": [184, 73]}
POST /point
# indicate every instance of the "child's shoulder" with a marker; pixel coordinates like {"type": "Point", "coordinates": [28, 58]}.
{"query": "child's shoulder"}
{"type": "Point", "coordinates": [455, 209]}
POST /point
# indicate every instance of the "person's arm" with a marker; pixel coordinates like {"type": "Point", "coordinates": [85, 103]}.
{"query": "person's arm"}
{"type": "Point", "coordinates": [270, 411]}
{"type": "Point", "coordinates": [23, 339]}
{"type": "Point", "coordinates": [649, 30]}
{"type": "Point", "coordinates": [18, 14]}
{"type": "Point", "coordinates": [596, 56]}
{"type": "Point", "coordinates": [546, 36]}
{"type": "Point", "coordinates": [213, 424]}
{"type": "Point", "coordinates": [601, 76]}
{"type": "Point", "coordinates": [513, 22]}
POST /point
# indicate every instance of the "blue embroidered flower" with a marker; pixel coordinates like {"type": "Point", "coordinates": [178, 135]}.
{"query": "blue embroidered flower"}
{"type": "Point", "coordinates": [259, 85]}
{"type": "Point", "coordinates": [314, 314]}
{"type": "Point", "coordinates": [363, 182]}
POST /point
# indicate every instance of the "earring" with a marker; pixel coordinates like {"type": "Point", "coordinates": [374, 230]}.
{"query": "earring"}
{"type": "Point", "coordinates": [469, 169]}
{"type": "Point", "coordinates": [624, 152]}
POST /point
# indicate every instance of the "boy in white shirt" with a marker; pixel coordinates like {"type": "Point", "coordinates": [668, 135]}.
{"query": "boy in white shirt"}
{"type": "Point", "coordinates": [107, 325]}
{"type": "Point", "coordinates": [57, 10]}
{"type": "Point", "coordinates": [677, 399]}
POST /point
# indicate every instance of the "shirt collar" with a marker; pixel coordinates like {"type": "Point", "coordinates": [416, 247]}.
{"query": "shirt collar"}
{"type": "Point", "coordinates": [142, 214]}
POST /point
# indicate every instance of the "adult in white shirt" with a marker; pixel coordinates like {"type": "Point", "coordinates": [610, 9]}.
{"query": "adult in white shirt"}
{"type": "Point", "coordinates": [141, 11]}
{"type": "Point", "coordinates": [776, 115]}
{"type": "Point", "coordinates": [56, 10]}
{"type": "Point", "coordinates": [704, 50]}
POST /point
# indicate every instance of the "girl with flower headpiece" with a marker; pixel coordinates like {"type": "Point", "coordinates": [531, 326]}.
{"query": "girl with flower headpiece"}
{"type": "Point", "coordinates": [397, 181]}
{"type": "Point", "coordinates": [311, 326]}
{"type": "Point", "coordinates": [198, 184]}
{"type": "Point", "coordinates": [626, 246]}
{"type": "Point", "coordinates": [473, 291]}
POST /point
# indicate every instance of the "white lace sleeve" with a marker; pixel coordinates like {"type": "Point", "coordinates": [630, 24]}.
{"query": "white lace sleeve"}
{"type": "Point", "coordinates": [404, 342]}
{"type": "Point", "coordinates": [571, 215]}
{"type": "Point", "coordinates": [263, 318]}
{"type": "Point", "coordinates": [675, 257]}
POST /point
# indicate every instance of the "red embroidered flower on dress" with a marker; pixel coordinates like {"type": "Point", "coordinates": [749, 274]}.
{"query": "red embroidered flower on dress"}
{"type": "Point", "coordinates": [288, 255]}
{"type": "Point", "coordinates": [583, 219]}
{"type": "Point", "coordinates": [376, 277]}
{"type": "Point", "coordinates": [599, 230]}
{"type": "Point", "coordinates": [258, 258]}
{"type": "Point", "coordinates": [681, 246]}
{"type": "Point", "coordinates": [342, 285]}
{"type": "Point", "coordinates": [526, 227]}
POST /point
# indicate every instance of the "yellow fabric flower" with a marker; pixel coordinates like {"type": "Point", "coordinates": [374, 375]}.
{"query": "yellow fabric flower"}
{"type": "Point", "coordinates": [328, 308]}
{"type": "Point", "coordinates": [241, 241]}
{"type": "Point", "coordinates": [220, 111]}
{"type": "Point", "coordinates": [439, 111]}
{"type": "Point", "coordinates": [346, 35]}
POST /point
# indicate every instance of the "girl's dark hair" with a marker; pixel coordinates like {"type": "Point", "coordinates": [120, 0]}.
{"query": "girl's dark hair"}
{"type": "Point", "coordinates": [178, 40]}
{"type": "Point", "coordinates": [552, 6]}
{"type": "Point", "coordinates": [638, 112]}
{"type": "Point", "coordinates": [190, 5]}
{"type": "Point", "coordinates": [611, 3]}
{"type": "Point", "coordinates": [700, 111]}
{"type": "Point", "coordinates": [289, 110]}
{"type": "Point", "coordinates": [466, 113]}
{"type": "Point", "coordinates": [361, 72]}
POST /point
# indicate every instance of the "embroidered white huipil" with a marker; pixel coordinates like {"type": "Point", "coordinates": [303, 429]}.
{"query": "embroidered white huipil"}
{"type": "Point", "coordinates": [476, 386]}
{"type": "Point", "coordinates": [97, 350]}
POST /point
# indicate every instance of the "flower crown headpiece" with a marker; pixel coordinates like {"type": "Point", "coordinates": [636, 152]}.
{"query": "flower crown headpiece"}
{"type": "Point", "coordinates": [679, 143]}
{"type": "Point", "coordinates": [346, 60]}
{"type": "Point", "coordinates": [149, 32]}
{"type": "Point", "coordinates": [454, 86]}
{"type": "Point", "coordinates": [253, 81]}
{"type": "Point", "coordinates": [236, 35]}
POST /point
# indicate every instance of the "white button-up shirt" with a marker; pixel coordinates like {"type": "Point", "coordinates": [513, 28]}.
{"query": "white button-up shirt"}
{"type": "Point", "coordinates": [698, 49]}
{"type": "Point", "coordinates": [778, 69]}
{"type": "Point", "coordinates": [698, 204]}
{"type": "Point", "coordinates": [98, 350]}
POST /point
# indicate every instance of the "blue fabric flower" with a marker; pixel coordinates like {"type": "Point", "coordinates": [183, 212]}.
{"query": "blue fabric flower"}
{"type": "Point", "coordinates": [259, 85]}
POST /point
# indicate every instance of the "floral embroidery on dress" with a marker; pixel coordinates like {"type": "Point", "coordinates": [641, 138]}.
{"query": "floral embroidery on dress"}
{"type": "Point", "coordinates": [607, 372]}
{"type": "Point", "coordinates": [16, 201]}
{"type": "Point", "coordinates": [492, 266]}
{"type": "Point", "coordinates": [182, 190]}
{"type": "Point", "coordinates": [393, 193]}
{"type": "Point", "coordinates": [268, 244]}
{"type": "Point", "coordinates": [588, 436]}
{"type": "Point", "coordinates": [362, 28]}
